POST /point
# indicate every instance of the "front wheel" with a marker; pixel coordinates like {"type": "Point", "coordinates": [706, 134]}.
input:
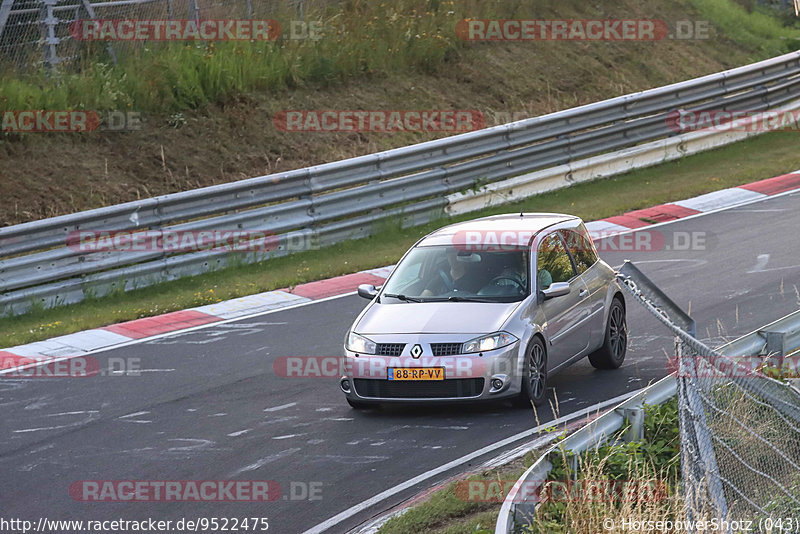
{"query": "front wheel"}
{"type": "Point", "coordinates": [534, 375]}
{"type": "Point", "coordinates": [615, 345]}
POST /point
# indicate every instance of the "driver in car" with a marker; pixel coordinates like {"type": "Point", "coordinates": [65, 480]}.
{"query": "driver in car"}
{"type": "Point", "coordinates": [459, 278]}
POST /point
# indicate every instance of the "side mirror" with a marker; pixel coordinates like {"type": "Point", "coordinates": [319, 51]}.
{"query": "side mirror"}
{"type": "Point", "coordinates": [557, 289]}
{"type": "Point", "coordinates": [367, 291]}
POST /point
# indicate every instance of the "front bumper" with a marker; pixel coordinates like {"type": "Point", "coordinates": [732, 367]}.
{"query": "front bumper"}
{"type": "Point", "coordinates": [468, 377]}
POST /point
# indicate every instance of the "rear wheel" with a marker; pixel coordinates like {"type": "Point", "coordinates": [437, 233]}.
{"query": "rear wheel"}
{"type": "Point", "coordinates": [534, 375]}
{"type": "Point", "coordinates": [615, 345]}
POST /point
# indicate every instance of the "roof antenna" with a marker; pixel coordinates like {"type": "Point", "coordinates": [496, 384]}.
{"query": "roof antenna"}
{"type": "Point", "coordinates": [520, 213]}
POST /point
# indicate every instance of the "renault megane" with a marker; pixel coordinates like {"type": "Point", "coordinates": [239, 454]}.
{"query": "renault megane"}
{"type": "Point", "coordinates": [486, 309]}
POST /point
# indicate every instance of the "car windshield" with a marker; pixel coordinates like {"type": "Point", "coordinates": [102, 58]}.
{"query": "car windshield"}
{"type": "Point", "coordinates": [449, 273]}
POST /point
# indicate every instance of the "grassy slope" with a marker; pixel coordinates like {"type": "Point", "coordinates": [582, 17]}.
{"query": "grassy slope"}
{"type": "Point", "coordinates": [233, 137]}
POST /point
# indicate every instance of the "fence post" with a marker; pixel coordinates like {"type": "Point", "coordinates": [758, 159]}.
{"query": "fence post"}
{"type": "Point", "coordinates": [5, 11]}
{"type": "Point", "coordinates": [47, 25]}
{"type": "Point", "coordinates": [695, 439]}
{"type": "Point", "coordinates": [194, 11]}
{"type": "Point", "coordinates": [87, 6]}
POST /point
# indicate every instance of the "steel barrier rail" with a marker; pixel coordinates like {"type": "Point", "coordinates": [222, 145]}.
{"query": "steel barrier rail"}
{"type": "Point", "coordinates": [595, 433]}
{"type": "Point", "coordinates": [345, 199]}
{"type": "Point", "coordinates": [779, 337]}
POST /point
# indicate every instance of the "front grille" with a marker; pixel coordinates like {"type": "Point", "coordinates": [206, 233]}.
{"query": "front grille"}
{"type": "Point", "coordinates": [446, 349]}
{"type": "Point", "coordinates": [419, 389]}
{"type": "Point", "coordinates": [390, 349]}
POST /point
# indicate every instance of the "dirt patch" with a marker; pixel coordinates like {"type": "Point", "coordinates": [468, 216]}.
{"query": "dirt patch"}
{"type": "Point", "coordinates": [44, 175]}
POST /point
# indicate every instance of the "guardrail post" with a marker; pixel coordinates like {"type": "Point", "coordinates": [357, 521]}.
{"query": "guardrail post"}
{"type": "Point", "coordinates": [775, 348]}
{"type": "Point", "coordinates": [635, 417]}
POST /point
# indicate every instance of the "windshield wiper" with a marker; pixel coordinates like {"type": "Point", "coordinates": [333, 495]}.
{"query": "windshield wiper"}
{"type": "Point", "coordinates": [467, 299]}
{"type": "Point", "coordinates": [402, 297]}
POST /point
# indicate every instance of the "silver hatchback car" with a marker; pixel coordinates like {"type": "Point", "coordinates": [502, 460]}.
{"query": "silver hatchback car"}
{"type": "Point", "coordinates": [483, 310]}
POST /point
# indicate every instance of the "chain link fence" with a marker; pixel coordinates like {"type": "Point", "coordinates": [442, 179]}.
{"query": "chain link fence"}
{"type": "Point", "coordinates": [36, 33]}
{"type": "Point", "coordinates": [739, 426]}
{"type": "Point", "coordinates": [740, 438]}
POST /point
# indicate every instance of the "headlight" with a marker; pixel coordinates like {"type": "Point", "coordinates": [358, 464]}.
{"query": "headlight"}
{"type": "Point", "coordinates": [490, 342]}
{"type": "Point", "coordinates": [356, 343]}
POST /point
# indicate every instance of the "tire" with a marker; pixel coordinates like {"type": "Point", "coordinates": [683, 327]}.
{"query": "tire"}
{"type": "Point", "coordinates": [534, 376]}
{"type": "Point", "coordinates": [615, 344]}
{"type": "Point", "coordinates": [358, 405]}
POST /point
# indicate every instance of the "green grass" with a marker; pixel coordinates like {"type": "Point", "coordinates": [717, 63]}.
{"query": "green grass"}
{"type": "Point", "coordinates": [759, 29]}
{"type": "Point", "coordinates": [653, 460]}
{"type": "Point", "coordinates": [758, 158]}
{"type": "Point", "coordinates": [449, 511]}
{"type": "Point", "coordinates": [361, 39]}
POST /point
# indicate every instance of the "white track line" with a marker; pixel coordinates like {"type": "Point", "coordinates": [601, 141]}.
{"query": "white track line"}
{"type": "Point", "coordinates": [372, 501]}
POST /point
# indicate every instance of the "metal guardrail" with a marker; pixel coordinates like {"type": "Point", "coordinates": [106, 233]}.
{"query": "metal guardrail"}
{"type": "Point", "coordinates": [779, 337]}
{"type": "Point", "coordinates": [596, 432]}
{"type": "Point", "coordinates": [347, 199]}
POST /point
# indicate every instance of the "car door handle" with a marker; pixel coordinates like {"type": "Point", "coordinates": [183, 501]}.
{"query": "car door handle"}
{"type": "Point", "coordinates": [583, 293]}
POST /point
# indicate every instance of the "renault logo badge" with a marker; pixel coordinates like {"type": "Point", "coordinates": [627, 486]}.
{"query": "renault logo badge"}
{"type": "Point", "coordinates": [416, 351]}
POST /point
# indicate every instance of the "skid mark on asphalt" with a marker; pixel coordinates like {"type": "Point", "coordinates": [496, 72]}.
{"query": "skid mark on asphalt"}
{"type": "Point", "coordinates": [277, 420]}
{"type": "Point", "coordinates": [264, 461]}
{"type": "Point", "coordinates": [135, 414]}
{"type": "Point", "coordinates": [761, 261]}
{"type": "Point", "coordinates": [281, 407]}
{"type": "Point", "coordinates": [213, 334]}
{"type": "Point", "coordinates": [136, 372]}
{"type": "Point", "coordinates": [289, 436]}
{"type": "Point", "coordinates": [423, 427]}
{"type": "Point", "coordinates": [88, 419]}
{"type": "Point", "coordinates": [195, 444]}
{"type": "Point", "coordinates": [129, 418]}
{"type": "Point", "coordinates": [348, 460]}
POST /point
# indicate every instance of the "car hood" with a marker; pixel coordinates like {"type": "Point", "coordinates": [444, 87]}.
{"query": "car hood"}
{"type": "Point", "coordinates": [435, 318]}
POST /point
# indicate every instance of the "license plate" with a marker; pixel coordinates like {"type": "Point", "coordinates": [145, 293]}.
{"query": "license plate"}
{"type": "Point", "coordinates": [416, 373]}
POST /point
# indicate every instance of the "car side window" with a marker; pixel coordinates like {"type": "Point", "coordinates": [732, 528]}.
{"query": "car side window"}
{"type": "Point", "coordinates": [581, 248]}
{"type": "Point", "coordinates": [553, 263]}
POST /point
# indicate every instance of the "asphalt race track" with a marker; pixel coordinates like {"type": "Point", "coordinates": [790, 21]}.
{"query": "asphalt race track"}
{"type": "Point", "coordinates": [208, 405]}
